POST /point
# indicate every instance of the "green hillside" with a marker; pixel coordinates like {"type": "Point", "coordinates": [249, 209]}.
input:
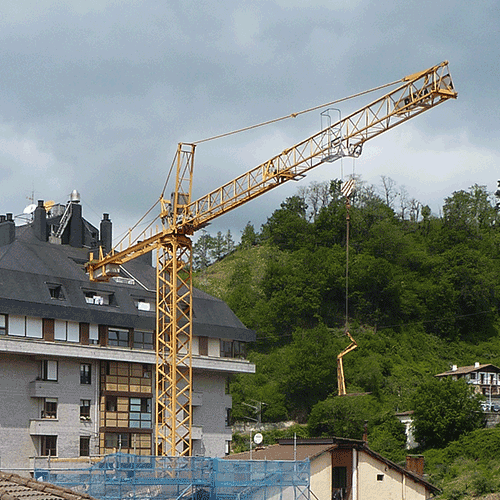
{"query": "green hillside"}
{"type": "Point", "coordinates": [423, 294]}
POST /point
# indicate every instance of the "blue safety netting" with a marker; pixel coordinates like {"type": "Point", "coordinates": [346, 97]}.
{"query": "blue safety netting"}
{"type": "Point", "coordinates": [126, 476]}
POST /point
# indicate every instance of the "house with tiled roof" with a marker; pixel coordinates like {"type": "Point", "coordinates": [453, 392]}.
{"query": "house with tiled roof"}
{"type": "Point", "coordinates": [484, 378]}
{"type": "Point", "coordinates": [77, 360]}
{"type": "Point", "coordinates": [348, 469]}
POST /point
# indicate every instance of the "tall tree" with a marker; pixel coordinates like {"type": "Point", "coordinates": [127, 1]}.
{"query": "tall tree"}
{"type": "Point", "coordinates": [443, 411]}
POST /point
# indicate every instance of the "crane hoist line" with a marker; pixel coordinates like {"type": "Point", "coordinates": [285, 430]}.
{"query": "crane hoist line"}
{"type": "Point", "coordinates": [180, 217]}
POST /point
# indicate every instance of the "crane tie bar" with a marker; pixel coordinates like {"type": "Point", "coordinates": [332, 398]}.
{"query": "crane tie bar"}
{"type": "Point", "coordinates": [294, 115]}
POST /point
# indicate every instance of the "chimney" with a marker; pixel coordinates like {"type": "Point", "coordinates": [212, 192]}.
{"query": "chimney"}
{"type": "Point", "coordinates": [106, 233]}
{"type": "Point", "coordinates": [7, 230]}
{"type": "Point", "coordinates": [76, 221]}
{"type": "Point", "coordinates": [365, 432]}
{"type": "Point", "coordinates": [40, 221]}
{"type": "Point", "coordinates": [477, 364]}
{"type": "Point", "coordinates": [415, 464]}
{"type": "Point", "coordinates": [454, 368]}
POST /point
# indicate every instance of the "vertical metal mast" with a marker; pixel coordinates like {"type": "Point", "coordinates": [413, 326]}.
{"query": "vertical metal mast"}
{"type": "Point", "coordinates": [174, 321]}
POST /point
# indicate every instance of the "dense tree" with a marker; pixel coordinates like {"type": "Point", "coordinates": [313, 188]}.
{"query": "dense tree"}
{"type": "Point", "coordinates": [444, 410]}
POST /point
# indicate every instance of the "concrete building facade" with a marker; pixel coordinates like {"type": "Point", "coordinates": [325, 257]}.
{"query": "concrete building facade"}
{"type": "Point", "coordinates": [77, 358]}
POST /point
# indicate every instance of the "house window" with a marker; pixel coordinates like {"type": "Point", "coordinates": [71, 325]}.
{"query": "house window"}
{"type": "Point", "coordinates": [228, 417]}
{"type": "Point", "coordinates": [86, 373]}
{"type": "Point", "coordinates": [238, 349]}
{"type": "Point", "coordinates": [3, 324]}
{"type": "Point", "coordinates": [228, 448]}
{"type": "Point", "coordinates": [140, 413]}
{"type": "Point", "coordinates": [48, 446]}
{"type": "Point", "coordinates": [56, 291]}
{"type": "Point", "coordinates": [84, 446]}
{"type": "Point", "coordinates": [339, 481]}
{"type": "Point", "coordinates": [380, 477]}
{"type": "Point", "coordinates": [84, 409]}
{"type": "Point", "coordinates": [117, 337]}
{"type": "Point", "coordinates": [48, 370]}
{"type": "Point", "coordinates": [203, 346]}
{"type": "Point", "coordinates": [49, 408]}
{"type": "Point", "coordinates": [226, 348]}
{"type": "Point", "coordinates": [143, 340]}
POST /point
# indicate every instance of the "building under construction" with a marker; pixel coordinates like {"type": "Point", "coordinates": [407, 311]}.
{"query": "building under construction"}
{"type": "Point", "coordinates": [120, 476]}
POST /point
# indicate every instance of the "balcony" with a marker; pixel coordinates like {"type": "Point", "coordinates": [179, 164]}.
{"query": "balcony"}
{"type": "Point", "coordinates": [44, 426]}
{"type": "Point", "coordinates": [43, 389]}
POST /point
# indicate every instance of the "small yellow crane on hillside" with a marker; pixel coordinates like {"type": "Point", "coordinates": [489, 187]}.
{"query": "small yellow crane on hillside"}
{"type": "Point", "coordinates": [180, 217]}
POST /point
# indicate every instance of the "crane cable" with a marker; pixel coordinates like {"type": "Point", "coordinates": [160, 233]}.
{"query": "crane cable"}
{"type": "Point", "coordinates": [294, 115]}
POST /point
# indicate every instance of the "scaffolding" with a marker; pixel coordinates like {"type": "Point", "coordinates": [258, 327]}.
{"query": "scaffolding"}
{"type": "Point", "coordinates": [125, 476]}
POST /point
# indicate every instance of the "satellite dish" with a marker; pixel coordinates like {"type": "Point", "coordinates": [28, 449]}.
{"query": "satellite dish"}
{"type": "Point", "coordinates": [257, 439]}
{"type": "Point", "coordinates": [29, 209]}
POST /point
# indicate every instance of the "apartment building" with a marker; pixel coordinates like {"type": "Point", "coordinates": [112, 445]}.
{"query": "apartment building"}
{"type": "Point", "coordinates": [77, 358]}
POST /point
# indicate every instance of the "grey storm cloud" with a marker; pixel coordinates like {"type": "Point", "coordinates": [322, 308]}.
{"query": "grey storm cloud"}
{"type": "Point", "coordinates": [96, 95]}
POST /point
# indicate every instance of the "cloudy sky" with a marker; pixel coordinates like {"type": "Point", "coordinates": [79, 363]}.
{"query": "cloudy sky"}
{"type": "Point", "coordinates": [95, 95]}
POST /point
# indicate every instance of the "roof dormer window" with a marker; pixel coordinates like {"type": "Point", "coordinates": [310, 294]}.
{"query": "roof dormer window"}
{"type": "Point", "coordinates": [56, 291]}
{"type": "Point", "coordinates": [100, 298]}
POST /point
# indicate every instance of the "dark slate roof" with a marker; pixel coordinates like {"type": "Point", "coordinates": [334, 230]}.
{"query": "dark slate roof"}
{"type": "Point", "coordinates": [28, 265]}
{"type": "Point", "coordinates": [14, 487]}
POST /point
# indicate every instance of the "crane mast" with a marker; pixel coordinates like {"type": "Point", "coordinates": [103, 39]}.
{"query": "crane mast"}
{"type": "Point", "coordinates": [180, 218]}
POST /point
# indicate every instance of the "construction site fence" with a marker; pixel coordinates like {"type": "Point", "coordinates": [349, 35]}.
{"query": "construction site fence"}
{"type": "Point", "coordinates": [126, 476]}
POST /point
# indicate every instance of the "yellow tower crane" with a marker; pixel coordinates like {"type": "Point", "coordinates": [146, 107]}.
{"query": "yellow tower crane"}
{"type": "Point", "coordinates": [180, 217]}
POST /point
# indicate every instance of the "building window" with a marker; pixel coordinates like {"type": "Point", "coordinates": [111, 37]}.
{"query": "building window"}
{"type": "Point", "coordinates": [140, 413]}
{"type": "Point", "coordinates": [49, 408]}
{"type": "Point", "coordinates": [111, 403]}
{"type": "Point", "coordinates": [228, 417]}
{"type": "Point", "coordinates": [25, 326]}
{"type": "Point", "coordinates": [203, 346]}
{"type": "Point", "coordinates": [84, 446]}
{"type": "Point", "coordinates": [117, 337]}
{"type": "Point", "coordinates": [84, 409]}
{"type": "Point", "coordinates": [228, 448]}
{"type": "Point", "coordinates": [473, 376]}
{"type": "Point", "coordinates": [3, 324]}
{"type": "Point", "coordinates": [56, 291]}
{"type": "Point", "coordinates": [145, 304]}
{"type": "Point", "coordinates": [116, 440]}
{"type": "Point", "coordinates": [143, 340]}
{"type": "Point", "coordinates": [48, 446]}
{"type": "Point", "coordinates": [68, 331]}
{"type": "Point", "coordinates": [48, 370]}
{"type": "Point", "coordinates": [100, 298]}
{"type": "Point", "coordinates": [93, 334]}
{"type": "Point", "coordinates": [380, 477]}
{"type": "Point", "coordinates": [85, 373]}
